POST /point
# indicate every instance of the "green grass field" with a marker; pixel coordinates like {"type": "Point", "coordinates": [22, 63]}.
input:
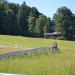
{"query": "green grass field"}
{"type": "Point", "coordinates": [62, 63]}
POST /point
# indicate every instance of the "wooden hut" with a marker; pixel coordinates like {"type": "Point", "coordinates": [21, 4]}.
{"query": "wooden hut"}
{"type": "Point", "coordinates": [52, 35]}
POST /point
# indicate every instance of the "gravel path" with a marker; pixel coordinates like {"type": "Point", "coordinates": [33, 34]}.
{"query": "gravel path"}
{"type": "Point", "coordinates": [26, 51]}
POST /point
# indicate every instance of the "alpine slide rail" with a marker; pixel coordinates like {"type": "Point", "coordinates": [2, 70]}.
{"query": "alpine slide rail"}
{"type": "Point", "coordinates": [28, 51]}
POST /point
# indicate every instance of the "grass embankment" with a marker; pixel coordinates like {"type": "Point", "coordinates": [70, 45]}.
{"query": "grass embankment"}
{"type": "Point", "coordinates": [62, 63]}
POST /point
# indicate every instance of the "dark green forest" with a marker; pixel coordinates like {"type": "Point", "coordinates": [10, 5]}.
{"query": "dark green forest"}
{"type": "Point", "coordinates": [27, 21]}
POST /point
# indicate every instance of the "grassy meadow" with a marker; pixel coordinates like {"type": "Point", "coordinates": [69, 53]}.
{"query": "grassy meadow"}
{"type": "Point", "coordinates": [62, 63]}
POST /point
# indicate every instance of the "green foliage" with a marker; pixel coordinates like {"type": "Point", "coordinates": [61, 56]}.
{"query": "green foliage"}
{"type": "Point", "coordinates": [14, 18]}
{"type": "Point", "coordinates": [48, 26]}
{"type": "Point", "coordinates": [31, 25]}
{"type": "Point", "coordinates": [64, 22]}
{"type": "Point", "coordinates": [2, 17]}
{"type": "Point", "coordinates": [22, 20]}
{"type": "Point", "coordinates": [33, 16]}
{"type": "Point", "coordinates": [41, 22]}
{"type": "Point", "coordinates": [34, 12]}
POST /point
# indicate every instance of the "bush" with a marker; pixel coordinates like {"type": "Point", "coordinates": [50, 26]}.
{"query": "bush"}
{"type": "Point", "coordinates": [60, 38]}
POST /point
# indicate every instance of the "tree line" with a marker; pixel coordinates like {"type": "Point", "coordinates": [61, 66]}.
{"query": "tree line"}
{"type": "Point", "coordinates": [23, 20]}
